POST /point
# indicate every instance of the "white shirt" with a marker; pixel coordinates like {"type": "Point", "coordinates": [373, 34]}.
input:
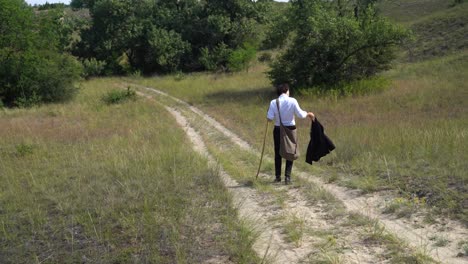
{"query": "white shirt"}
{"type": "Point", "coordinates": [288, 107]}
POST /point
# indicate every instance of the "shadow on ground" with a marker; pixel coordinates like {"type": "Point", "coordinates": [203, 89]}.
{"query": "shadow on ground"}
{"type": "Point", "coordinates": [248, 96]}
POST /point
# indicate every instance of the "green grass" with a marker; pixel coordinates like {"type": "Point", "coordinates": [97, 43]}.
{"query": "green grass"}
{"type": "Point", "coordinates": [441, 33]}
{"type": "Point", "coordinates": [410, 137]}
{"type": "Point", "coordinates": [89, 182]}
{"type": "Point", "coordinates": [242, 164]}
{"type": "Point", "coordinates": [439, 27]}
{"type": "Point", "coordinates": [294, 228]}
{"type": "Point", "coordinates": [409, 11]}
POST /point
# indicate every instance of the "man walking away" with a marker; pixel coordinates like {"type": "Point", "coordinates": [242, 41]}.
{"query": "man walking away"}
{"type": "Point", "coordinates": [288, 108]}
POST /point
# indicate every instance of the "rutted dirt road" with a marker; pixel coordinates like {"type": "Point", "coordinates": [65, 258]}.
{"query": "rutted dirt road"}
{"type": "Point", "coordinates": [271, 242]}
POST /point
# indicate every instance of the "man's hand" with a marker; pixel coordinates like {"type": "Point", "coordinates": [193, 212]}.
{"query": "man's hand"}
{"type": "Point", "coordinates": [311, 116]}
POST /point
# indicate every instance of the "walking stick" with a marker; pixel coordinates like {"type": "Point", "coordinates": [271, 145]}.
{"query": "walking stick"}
{"type": "Point", "coordinates": [263, 150]}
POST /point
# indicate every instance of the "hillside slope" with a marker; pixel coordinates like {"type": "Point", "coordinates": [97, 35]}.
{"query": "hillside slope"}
{"type": "Point", "coordinates": [439, 26]}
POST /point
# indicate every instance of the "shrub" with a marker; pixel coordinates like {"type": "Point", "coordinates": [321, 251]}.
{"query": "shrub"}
{"type": "Point", "coordinates": [332, 46]}
{"type": "Point", "coordinates": [24, 149]}
{"type": "Point", "coordinates": [215, 59]}
{"type": "Point", "coordinates": [31, 68]}
{"type": "Point", "coordinates": [240, 58]}
{"type": "Point", "coordinates": [119, 96]}
{"type": "Point", "coordinates": [265, 57]}
{"type": "Point", "coordinates": [93, 67]}
{"type": "Point", "coordinates": [37, 76]}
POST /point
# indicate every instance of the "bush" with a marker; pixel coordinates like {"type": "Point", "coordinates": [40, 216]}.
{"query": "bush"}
{"type": "Point", "coordinates": [24, 149]}
{"type": "Point", "coordinates": [161, 51]}
{"type": "Point", "coordinates": [240, 58]}
{"type": "Point", "coordinates": [119, 96]}
{"type": "Point", "coordinates": [215, 59]}
{"type": "Point", "coordinates": [93, 67]}
{"type": "Point", "coordinates": [34, 76]}
{"type": "Point", "coordinates": [265, 57]}
{"type": "Point", "coordinates": [31, 68]}
{"type": "Point", "coordinates": [331, 46]}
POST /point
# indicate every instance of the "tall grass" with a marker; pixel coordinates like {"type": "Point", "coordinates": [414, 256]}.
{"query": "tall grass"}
{"type": "Point", "coordinates": [89, 182]}
{"type": "Point", "coordinates": [410, 137]}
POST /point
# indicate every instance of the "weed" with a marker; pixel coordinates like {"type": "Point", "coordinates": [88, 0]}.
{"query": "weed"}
{"type": "Point", "coordinates": [119, 96]}
{"type": "Point", "coordinates": [294, 228]}
{"type": "Point", "coordinates": [463, 246]}
{"type": "Point", "coordinates": [375, 232]}
{"type": "Point", "coordinates": [402, 207]}
{"type": "Point", "coordinates": [356, 219]}
{"type": "Point", "coordinates": [179, 76]}
{"type": "Point", "coordinates": [329, 252]}
{"type": "Point", "coordinates": [24, 149]}
{"type": "Point", "coordinates": [439, 241]}
{"type": "Point", "coordinates": [328, 258]}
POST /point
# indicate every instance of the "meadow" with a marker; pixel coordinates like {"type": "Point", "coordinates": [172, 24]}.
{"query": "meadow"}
{"type": "Point", "coordinates": [103, 179]}
{"type": "Point", "coordinates": [93, 182]}
{"type": "Point", "coordinates": [409, 135]}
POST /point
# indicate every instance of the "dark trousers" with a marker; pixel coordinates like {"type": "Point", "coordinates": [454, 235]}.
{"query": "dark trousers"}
{"type": "Point", "coordinates": [278, 159]}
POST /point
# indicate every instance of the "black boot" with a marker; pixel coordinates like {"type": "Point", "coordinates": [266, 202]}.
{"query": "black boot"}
{"type": "Point", "coordinates": [287, 180]}
{"type": "Point", "coordinates": [277, 179]}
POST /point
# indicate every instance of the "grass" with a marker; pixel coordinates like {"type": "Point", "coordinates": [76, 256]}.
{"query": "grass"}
{"type": "Point", "coordinates": [439, 26]}
{"type": "Point", "coordinates": [294, 228]}
{"type": "Point", "coordinates": [241, 165]}
{"type": "Point", "coordinates": [410, 137]}
{"type": "Point", "coordinates": [410, 11]}
{"type": "Point", "coordinates": [463, 246]}
{"type": "Point", "coordinates": [119, 96]}
{"type": "Point", "coordinates": [439, 241]}
{"type": "Point", "coordinates": [90, 182]}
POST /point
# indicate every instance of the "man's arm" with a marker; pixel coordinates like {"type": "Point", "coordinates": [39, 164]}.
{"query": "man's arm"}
{"type": "Point", "coordinates": [270, 114]}
{"type": "Point", "coordinates": [303, 114]}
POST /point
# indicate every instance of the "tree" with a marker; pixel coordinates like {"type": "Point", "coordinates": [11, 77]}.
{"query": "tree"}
{"type": "Point", "coordinates": [333, 45]}
{"type": "Point", "coordinates": [82, 3]}
{"type": "Point", "coordinates": [161, 51]}
{"type": "Point", "coordinates": [32, 69]}
{"type": "Point", "coordinates": [168, 35]}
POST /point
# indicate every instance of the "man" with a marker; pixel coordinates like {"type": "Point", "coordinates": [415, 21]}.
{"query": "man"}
{"type": "Point", "coordinates": [288, 107]}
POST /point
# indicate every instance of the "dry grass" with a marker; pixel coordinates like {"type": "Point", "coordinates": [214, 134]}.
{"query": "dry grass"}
{"type": "Point", "coordinates": [88, 182]}
{"type": "Point", "coordinates": [410, 137]}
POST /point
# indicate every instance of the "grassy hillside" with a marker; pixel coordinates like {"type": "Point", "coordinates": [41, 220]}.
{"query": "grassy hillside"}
{"type": "Point", "coordinates": [98, 183]}
{"type": "Point", "coordinates": [410, 137]}
{"type": "Point", "coordinates": [439, 26]}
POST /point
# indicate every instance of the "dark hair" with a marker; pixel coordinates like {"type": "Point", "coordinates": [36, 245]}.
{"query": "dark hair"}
{"type": "Point", "coordinates": [282, 88]}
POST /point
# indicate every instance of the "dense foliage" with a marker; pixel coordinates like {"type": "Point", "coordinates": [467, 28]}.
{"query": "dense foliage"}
{"type": "Point", "coordinates": [33, 68]}
{"type": "Point", "coordinates": [335, 41]}
{"type": "Point", "coordinates": [327, 42]}
{"type": "Point", "coordinates": [166, 35]}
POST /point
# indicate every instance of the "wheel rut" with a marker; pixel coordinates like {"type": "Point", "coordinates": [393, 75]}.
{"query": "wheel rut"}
{"type": "Point", "coordinates": [271, 241]}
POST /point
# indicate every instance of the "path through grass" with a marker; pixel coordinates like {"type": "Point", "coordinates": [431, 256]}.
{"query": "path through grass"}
{"type": "Point", "coordinates": [410, 137]}
{"type": "Point", "coordinates": [88, 182]}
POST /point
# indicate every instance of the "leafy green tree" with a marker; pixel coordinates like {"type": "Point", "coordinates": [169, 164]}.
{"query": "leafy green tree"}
{"type": "Point", "coordinates": [168, 35]}
{"type": "Point", "coordinates": [215, 59]}
{"type": "Point", "coordinates": [278, 27]}
{"type": "Point", "coordinates": [162, 51]}
{"type": "Point", "coordinates": [32, 70]}
{"type": "Point", "coordinates": [115, 27]}
{"type": "Point", "coordinates": [332, 45]}
{"type": "Point", "coordinates": [82, 3]}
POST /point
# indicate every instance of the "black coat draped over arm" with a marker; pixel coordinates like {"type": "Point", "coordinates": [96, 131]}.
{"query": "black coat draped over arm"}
{"type": "Point", "coordinates": [319, 144]}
